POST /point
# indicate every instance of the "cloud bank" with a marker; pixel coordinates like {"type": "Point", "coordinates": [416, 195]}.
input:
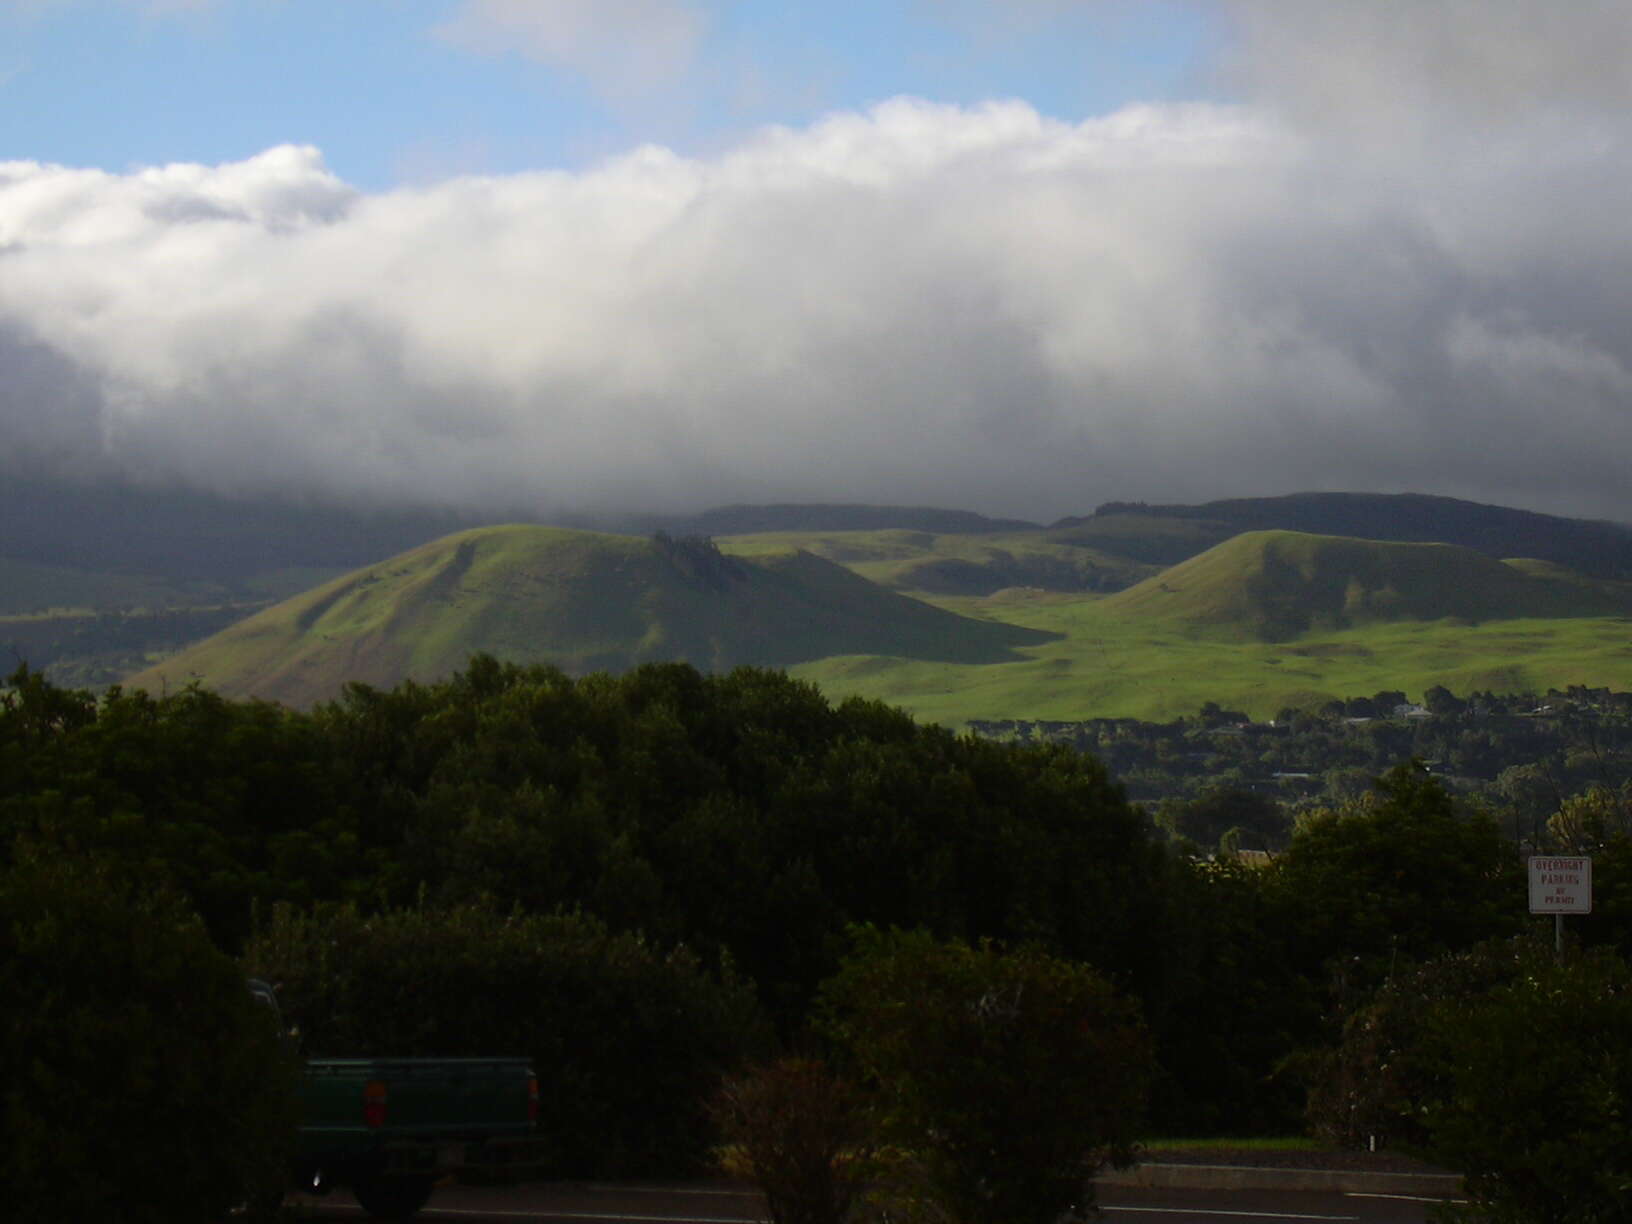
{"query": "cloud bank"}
{"type": "Point", "coordinates": [978, 307]}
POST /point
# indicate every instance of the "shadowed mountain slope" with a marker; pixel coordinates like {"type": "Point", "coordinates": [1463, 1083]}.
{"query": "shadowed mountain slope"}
{"type": "Point", "coordinates": [1276, 585]}
{"type": "Point", "coordinates": [1598, 549]}
{"type": "Point", "coordinates": [933, 563]}
{"type": "Point", "coordinates": [585, 601]}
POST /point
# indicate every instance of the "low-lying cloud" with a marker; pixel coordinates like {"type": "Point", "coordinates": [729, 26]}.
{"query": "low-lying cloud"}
{"type": "Point", "coordinates": [977, 307]}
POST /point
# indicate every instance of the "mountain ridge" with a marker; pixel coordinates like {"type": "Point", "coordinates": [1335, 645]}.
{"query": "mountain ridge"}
{"type": "Point", "coordinates": [1596, 547]}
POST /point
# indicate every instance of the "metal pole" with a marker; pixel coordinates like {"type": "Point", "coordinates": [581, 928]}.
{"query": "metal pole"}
{"type": "Point", "coordinates": [1558, 938]}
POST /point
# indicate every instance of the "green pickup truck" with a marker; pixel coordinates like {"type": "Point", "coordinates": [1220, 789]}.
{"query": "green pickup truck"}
{"type": "Point", "coordinates": [390, 1128]}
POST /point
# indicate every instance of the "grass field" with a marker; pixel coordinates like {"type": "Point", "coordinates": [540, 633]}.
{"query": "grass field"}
{"type": "Point", "coordinates": [1106, 664]}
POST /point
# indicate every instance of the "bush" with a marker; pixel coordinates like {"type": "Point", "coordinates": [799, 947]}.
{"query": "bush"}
{"type": "Point", "coordinates": [1539, 1079]}
{"type": "Point", "coordinates": [628, 1041]}
{"type": "Point", "coordinates": [1505, 1064]}
{"type": "Point", "coordinates": [797, 1131]}
{"type": "Point", "coordinates": [140, 1082]}
{"type": "Point", "coordinates": [1010, 1076]}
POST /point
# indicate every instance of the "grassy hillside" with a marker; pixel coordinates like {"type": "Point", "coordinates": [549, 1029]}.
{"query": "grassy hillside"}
{"type": "Point", "coordinates": [583, 600]}
{"type": "Point", "coordinates": [1273, 619]}
{"type": "Point", "coordinates": [1278, 585]}
{"type": "Point", "coordinates": [957, 564]}
{"type": "Point", "coordinates": [1586, 546]}
{"type": "Point", "coordinates": [1108, 665]}
{"type": "Point", "coordinates": [1259, 621]}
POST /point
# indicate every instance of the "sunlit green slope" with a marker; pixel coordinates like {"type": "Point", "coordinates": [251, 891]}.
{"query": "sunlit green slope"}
{"type": "Point", "coordinates": [1276, 585]}
{"type": "Point", "coordinates": [582, 600]}
{"type": "Point", "coordinates": [1268, 620]}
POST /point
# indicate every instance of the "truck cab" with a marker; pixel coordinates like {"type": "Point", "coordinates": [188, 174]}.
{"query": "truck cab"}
{"type": "Point", "coordinates": [390, 1128]}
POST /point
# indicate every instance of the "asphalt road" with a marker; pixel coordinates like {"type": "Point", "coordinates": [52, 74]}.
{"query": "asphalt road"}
{"type": "Point", "coordinates": [559, 1203]}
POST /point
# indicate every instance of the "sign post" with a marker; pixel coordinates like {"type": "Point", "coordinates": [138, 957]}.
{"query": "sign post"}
{"type": "Point", "coordinates": [1560, 886]}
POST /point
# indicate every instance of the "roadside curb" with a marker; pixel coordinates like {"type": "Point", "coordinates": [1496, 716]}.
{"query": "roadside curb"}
{"type": "Point", "coordinates": [1250, 1177]}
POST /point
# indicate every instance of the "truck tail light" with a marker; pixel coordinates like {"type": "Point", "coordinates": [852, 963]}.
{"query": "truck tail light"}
{"type": "Point", "coordinates": [374, 1104]}
{"type": "Point", "coordinates": [532, 1099]}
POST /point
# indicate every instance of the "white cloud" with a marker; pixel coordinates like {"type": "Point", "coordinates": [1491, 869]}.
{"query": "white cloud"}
{"type": "Point", "coordinates": [625, 47]}
{"type": "Point", "coordinates": [978, 307]}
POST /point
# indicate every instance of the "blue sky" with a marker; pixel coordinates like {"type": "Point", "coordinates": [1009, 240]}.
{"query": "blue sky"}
{"type": "Point", "coordinates": [390, 93]}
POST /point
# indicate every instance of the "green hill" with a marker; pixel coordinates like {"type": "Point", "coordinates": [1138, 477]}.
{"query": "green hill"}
{"type": "Point", "coordinates": [958, 563]}
{"type": "Point", "coordinates": [1586, 546]}
{"type": "Point", "coordinates": [584, 601]}
{"type": "Point", "coordinates": [1279, 585]}
{"type": "Point", "coordinates": [1269, 620]}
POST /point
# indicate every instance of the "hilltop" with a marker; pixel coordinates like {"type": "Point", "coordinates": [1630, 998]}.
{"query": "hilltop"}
{"type": "Point", "coordinates": [1588, 546]}
{"type": "Point", "coordinates": [1278, 585]}
{"type": "Point", "coordinates": [585, 601]}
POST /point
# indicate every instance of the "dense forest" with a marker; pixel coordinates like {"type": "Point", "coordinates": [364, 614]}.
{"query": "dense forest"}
{"type": "Point", "coordinates": [1221, 776]}
{"type": "Point", "coordinates": [711, 844]}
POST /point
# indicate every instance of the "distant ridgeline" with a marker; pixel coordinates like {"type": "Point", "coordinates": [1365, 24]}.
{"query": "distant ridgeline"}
{"type": "Point", "coordinates": [746, 520]}
{"type": "Point", "coordinates": [1599, 549]}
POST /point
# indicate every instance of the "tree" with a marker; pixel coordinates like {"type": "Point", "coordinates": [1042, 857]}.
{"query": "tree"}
{"type": "Point", "coordinates": [141, 1083]}
{"type": "Point", "coordinates": [1506, 1063]}
{"type": "Point", "coordinates": [1588, 822]}
{"type": "Point", "coordinates": [1012, 1076]}
{"type": "Point", "coordinates": [1373, 1086]}
{"type": "Point", "coordinates": [1537, 1106]}
{"type": "Point", "coordinates": [1256, 819]}
{"type": "Point", "coordinates": [1228, 1007]}
{"type": "Point", "coordinates": [1397, 877]}
{"type": "Point", "coordinates": [1440, 700]}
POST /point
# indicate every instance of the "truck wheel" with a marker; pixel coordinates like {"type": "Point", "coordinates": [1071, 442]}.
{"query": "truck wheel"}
{"type": "Point", "coordinates": [392, 1198]}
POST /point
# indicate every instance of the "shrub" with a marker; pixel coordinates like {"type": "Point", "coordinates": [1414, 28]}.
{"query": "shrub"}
{"type": "Point", "coordinates": [1539, 1091]}
{"type": "Point", "coordinates": [1008, 1077]}
{"type": "Point", "coordinates": [139, 1081]}
{"type": "Point", "coordinates": [1374, 1086]}
{"type": "Point", "coordinates": [796, 1130]}
{"type": "Point", "coordinates": [1506, 1064]}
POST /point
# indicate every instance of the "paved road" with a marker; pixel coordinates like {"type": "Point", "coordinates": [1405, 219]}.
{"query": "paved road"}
{"type": "Point", "coordinates": [557, 1203]}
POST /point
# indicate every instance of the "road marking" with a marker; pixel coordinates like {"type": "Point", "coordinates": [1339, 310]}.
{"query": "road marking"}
{"type": "Point", "coordinates": [546, 1214]}
{"type": "Point", "coordinates": [615, 1188]}
{"type": "Point", "coordinates": [1205, 1212]}
{"type": "Point", "coordinates": [1407, 1198]}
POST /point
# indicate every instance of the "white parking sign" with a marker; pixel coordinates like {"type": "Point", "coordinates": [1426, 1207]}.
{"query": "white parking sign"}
{"type": "Point", "coordinates": [1560, 885]}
